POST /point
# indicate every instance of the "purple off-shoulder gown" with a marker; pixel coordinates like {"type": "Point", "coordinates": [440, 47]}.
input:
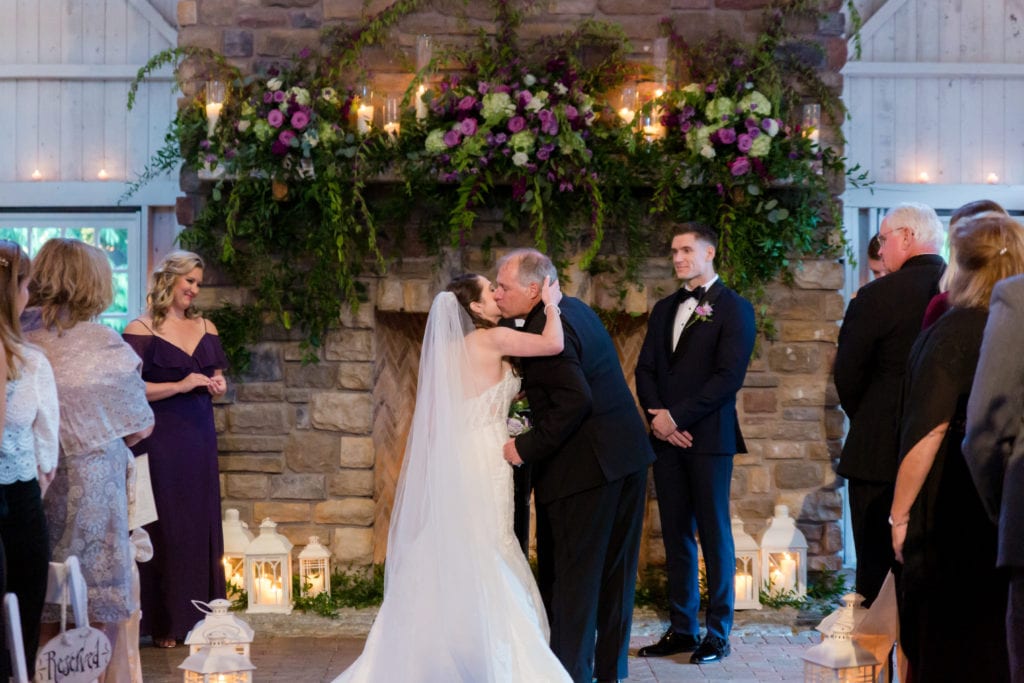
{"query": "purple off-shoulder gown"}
{"type": "Point", "coordinates": [187, 538]}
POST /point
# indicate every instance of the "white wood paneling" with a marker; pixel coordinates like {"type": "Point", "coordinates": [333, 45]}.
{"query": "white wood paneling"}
{"type": "Point", "coordinates": [940, 89]}
{"type": "Point", "coordinates": [67, 64]}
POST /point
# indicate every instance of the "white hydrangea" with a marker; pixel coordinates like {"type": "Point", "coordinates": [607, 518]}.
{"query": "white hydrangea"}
{"type": "Point", "coordinates": [274, 84]}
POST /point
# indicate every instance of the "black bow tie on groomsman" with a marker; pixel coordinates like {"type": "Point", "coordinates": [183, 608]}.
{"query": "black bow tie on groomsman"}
{"type": "Point", "coordinates": [685, 294]}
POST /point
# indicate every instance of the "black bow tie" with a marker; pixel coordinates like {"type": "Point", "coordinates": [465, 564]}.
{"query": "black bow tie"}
{"type": "Point", "coordinates": [685, 294]}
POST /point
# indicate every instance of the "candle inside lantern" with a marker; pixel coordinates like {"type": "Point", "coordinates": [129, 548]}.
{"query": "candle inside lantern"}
{"type": "Point", "coordinates": [787, 567]}
{"type": "Point", "coordinates": [364, 118]}
{"type": "Point", "coordinates": [213, 110]}
{"type": "Point", "coordinates": [393, 128]}
{"type": "Point", "coordinates": [316, 583]}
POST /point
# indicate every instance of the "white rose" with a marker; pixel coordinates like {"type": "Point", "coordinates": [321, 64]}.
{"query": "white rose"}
{"type": "Point", "coordinates": [707, 151]}
{"type": "Point", "coordinates": [520, 158]}
{"type": "Point", "coordinates": [560, 88]}
{"type": "Point", "coordinates": [529, 80]}
{"type": "Point", "coordinates": [772, 127]}
{"type": "Point", "coordinates": [243, 126]}
{"type": "Point", "coordinates": [274, 84]}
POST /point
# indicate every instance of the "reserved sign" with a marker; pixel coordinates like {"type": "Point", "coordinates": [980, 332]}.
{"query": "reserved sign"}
{"type": "Point", "coordinates": [78, 655]}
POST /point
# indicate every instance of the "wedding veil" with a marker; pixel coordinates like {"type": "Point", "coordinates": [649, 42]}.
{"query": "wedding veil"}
{"type": "Point", "coordinates": [443, 618]}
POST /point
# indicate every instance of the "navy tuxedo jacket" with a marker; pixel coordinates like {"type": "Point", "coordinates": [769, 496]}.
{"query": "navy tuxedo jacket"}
{"type": "Point", "coordinates": [587, 430]}
{"type": "Point", "coordinates": [698, 380]}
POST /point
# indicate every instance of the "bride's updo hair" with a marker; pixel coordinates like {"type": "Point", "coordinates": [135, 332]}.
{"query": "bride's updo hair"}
{"type": "Point", "coordinates": [468, 289]}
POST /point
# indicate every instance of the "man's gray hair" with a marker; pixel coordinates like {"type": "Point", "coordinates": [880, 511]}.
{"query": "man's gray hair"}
{"type": "Point", "coordinates": [533, 266]}
{"type": "Point", "coordinates": [922, 221]}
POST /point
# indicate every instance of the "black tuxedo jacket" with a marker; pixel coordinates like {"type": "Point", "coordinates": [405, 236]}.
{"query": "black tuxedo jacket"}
{"type": "Point", "coordinates": [587, 430]}
{"type": "Point", "coordinates": [698, 379]}
{"type": "Point", "coordinates": [880, 326]}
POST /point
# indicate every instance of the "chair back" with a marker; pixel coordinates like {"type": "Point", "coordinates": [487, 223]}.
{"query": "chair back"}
{"type": "Point", "coordinates": [15, 643]}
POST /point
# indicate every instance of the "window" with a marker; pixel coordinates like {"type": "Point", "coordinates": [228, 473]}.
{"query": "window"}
{"type": "Point", "coordinates": [117, 234]}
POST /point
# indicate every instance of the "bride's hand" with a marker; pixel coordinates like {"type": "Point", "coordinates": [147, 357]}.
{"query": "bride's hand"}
{"type": "Point", "coordinates": [551, 292]}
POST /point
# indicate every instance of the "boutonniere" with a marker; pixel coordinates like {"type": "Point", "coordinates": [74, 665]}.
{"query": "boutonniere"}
{"type": "Point", "coordinates": [700, 314]}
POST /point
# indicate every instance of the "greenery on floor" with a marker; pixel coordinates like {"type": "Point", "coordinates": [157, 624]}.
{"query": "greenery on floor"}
{"type": "Point", "coordinates": [352, 588]}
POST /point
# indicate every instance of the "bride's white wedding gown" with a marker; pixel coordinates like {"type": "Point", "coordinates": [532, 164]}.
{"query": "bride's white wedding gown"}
{"type": "Point", "coordinates": [460, 601]}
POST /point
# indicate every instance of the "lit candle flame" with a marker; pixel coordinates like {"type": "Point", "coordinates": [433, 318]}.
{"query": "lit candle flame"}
{"type": "Point", "coordinates": [923, 177]}
{"type": "Point", "coordinates": [992, 179]}
{"type": "Point", "coordinates": [103, 175]}
{"type": "Point", "coordinates": [36, 175]}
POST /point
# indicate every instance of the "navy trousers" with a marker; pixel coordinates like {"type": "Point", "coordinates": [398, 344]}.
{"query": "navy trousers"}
{"type": "Point", "coordinates": [693, 497]}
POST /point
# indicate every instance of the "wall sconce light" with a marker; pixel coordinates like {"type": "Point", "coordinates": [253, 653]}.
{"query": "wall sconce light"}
{"type": "Point", "coordinates": [214, 104]}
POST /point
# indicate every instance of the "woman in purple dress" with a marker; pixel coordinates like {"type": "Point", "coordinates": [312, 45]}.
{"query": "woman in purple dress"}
{"type": "Point", "coordinates": [182, 365]}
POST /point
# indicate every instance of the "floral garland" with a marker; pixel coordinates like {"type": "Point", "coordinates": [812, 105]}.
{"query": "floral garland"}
{"type": "Point", "coordinates": [291, 158]}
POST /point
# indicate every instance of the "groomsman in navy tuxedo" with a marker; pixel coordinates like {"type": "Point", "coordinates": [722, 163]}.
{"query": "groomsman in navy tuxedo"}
{"type": "Point", "coordinates": [691, 366]}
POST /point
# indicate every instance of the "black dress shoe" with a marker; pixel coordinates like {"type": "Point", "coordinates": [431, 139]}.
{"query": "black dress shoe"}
{"type": "Point", "coordinates": [711, 649]}
{"type": "Point", "coordinates": [671, 643]}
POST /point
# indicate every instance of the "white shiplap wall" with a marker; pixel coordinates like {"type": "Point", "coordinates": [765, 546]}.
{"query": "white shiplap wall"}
{"type": "Point", "coordinates": [65, 66]}
{"type": "Point", "coordinates": [939, 89]}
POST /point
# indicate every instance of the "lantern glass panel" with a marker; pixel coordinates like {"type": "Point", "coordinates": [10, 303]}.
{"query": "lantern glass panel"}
{"type": "Point", "coordinates": [315, 578]}
{"type": "Point", "coordinates": [234, 570]}
{"type": "Point", "coordinates": [783, 572]}
{"type": "Point", "coordinates": [746, 587]}
{"type": "Point", "coordinates": [268, 583]}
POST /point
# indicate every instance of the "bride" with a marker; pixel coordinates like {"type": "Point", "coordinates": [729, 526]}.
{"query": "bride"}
{"type": "Point", "coordinates": [460, 602]}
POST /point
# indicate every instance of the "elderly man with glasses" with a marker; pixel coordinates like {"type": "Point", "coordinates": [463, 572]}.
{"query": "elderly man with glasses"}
{"type": "Point", "coordinates": [878, 330]}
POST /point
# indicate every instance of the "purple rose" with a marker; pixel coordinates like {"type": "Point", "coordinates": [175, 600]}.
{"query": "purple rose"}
{"type": "Point", "coordinates": [286, 137]}
{"type": "Point", "coordinates": [516, 124]}
{"type": "Point", "coordinates": [739, 166]}
{"type": "Point", "coordinates": [544, 153]}
{"type": "Point", "coordinates": [278, 148]}
{"type": "Point", "coordinates": [711, 88]}
{"type": "Point", "coordinates": [205, 144]}
{"type": "Point", "coordinates": [688, 111]}
{"type": "Point", "coordinates": [744, 143]}
{"type": "Point", "coordinates": [467, 126]}
{"type": "Point", "coordinates": [500, 139]}
{"type": "Point", "coordinates": [524, 97]}
{"type": "Point", "coordinates": [268, 97]}
{"type": "Point", "coordinates": [275, 118]}
{"type": "Point", "coordinates": [753, 133]}
{"type": "Point", "coordinates": [467, 103]}
{"type": "Point", "coordinates": [548, 122]}
{"type": "Point", "coordinates": [452, 138]}
{"type": "Point", "coordinates": [279, 96]}
{"type": "Point", "coordinates": [502, 88]}
{"type": "Point", "coordinates": [726, 136]}
{"type": "Point", "coordinates": [686, 125]}
{"type": "Point", "coordinates": [750, 123]}
{"type": "Point", "coordinates": [300, 120]}
{"type": "Point", "coordinates": [482, 88]}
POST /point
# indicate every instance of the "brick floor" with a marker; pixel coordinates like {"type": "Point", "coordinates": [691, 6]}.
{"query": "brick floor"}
{"type": "Point", "coordinates": [760, 652]}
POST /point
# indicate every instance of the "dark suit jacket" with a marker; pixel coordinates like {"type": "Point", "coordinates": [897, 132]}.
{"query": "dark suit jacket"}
{"type": "Point", "coordinates": [880, 326]}
{"type": "Point", "coordinates": [698, 380]}
{"type": "Point", "coordinates": [587, 430]}
{"type": "Point", "coordinates": [994, 445]}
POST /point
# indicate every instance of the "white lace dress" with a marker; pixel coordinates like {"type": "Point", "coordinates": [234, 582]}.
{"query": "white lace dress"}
{"type": "Point", "coordinates": [464, 609]}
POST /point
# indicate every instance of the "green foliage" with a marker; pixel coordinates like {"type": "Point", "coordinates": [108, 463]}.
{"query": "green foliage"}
{"type": "Point", "coordinates": [824, 589]}
{"type": "Point", "coordinates": [293, 215]}
{"type": "Point", "coordinates": [348, 589]}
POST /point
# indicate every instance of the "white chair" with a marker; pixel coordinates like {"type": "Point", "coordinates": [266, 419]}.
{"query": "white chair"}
{"type": "Point", "coordinates": [65, 586]}
{"type": "Point", "coordinates": [15, 643]}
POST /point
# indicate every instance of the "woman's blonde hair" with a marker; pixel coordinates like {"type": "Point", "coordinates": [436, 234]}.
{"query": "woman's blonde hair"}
{"type": "Point", "coordinates": [970, 210]}
{"type": "Point", "coordinates": [71, 283]}
{"type": "Point", "coordinates": [161, 292]}
{"type": "Point", "coordinates": [14, 269]}
{"type": "Point", "coordinates": [988, 249]}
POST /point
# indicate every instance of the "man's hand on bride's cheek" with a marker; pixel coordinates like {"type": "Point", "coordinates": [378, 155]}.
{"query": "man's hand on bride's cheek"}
{"type": "Point", "coordinates": [511, 454]}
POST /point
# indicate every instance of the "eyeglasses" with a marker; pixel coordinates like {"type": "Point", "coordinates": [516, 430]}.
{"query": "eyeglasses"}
{"type": "Point", "coordinates": [882, 236]}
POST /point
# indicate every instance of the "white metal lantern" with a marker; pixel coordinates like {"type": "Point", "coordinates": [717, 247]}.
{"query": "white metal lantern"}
{"type": "Point", "coordinates": [839, 658]}
{"type": "Point", "coordinates": [219, 625]}
{"type": "Point", "coordinates": [784, 555]}
{"type": "Point", "coordinates": [314, 569]}
{"type": "Point", "coordinates": [268, 571]}
{"type": "Point", "coordinates": [217, 663]}
{"type": "Point", "coordinates": [237, 538]}
{"type": "Point", "coordinates": [748, 567]}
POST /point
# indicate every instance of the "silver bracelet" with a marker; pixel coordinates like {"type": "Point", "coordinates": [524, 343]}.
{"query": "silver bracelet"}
{"type": "Point", "coordinates": [558, 311]}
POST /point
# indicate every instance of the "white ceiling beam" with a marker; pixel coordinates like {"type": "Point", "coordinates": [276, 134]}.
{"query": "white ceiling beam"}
{"type": "Point", "coordinates": [932, 69]}
{"type": "Point", "coordinates": [78, 72]}
{"type": "Point", "coordinates": [154, 17]}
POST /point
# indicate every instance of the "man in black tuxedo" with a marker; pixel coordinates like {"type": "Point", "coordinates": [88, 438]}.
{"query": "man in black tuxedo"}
{"type": "Point", "coordinates": [880, 326]}
{"type": "Point", "coordinates": [692, 364]}
{"type": "Point", "coordinates": [589, 457]}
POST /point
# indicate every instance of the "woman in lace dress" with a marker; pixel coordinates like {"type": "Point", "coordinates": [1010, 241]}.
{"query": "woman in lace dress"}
{"type": "Point", "coordinates": [460, 603]}
{"type": "Point", "coordinates": [28, 454]}
{"type": "Point", "coordinates": [103, 410]}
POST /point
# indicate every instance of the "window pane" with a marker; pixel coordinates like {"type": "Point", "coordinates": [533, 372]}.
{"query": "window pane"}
{"type": "Point", "coordinates": [120, 303]}
{"type": "Point", "coordinates": [40, 235]}
{"type": "Point", "coordinates": [87, 235]}
{"type": "Point", "coordinates": [116, 323]}
{"type": "Point", "coordinates": [114, 241]}
{"type": "Point", "coordinates": [19, 235]}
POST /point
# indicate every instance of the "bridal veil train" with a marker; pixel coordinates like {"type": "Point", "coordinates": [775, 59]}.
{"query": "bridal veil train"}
{"type": "Point", "coordinates": [460, 603]}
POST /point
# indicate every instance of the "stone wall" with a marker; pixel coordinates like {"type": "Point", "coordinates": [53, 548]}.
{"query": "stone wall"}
{"type": "Point", "coordinates": [314, 447]}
